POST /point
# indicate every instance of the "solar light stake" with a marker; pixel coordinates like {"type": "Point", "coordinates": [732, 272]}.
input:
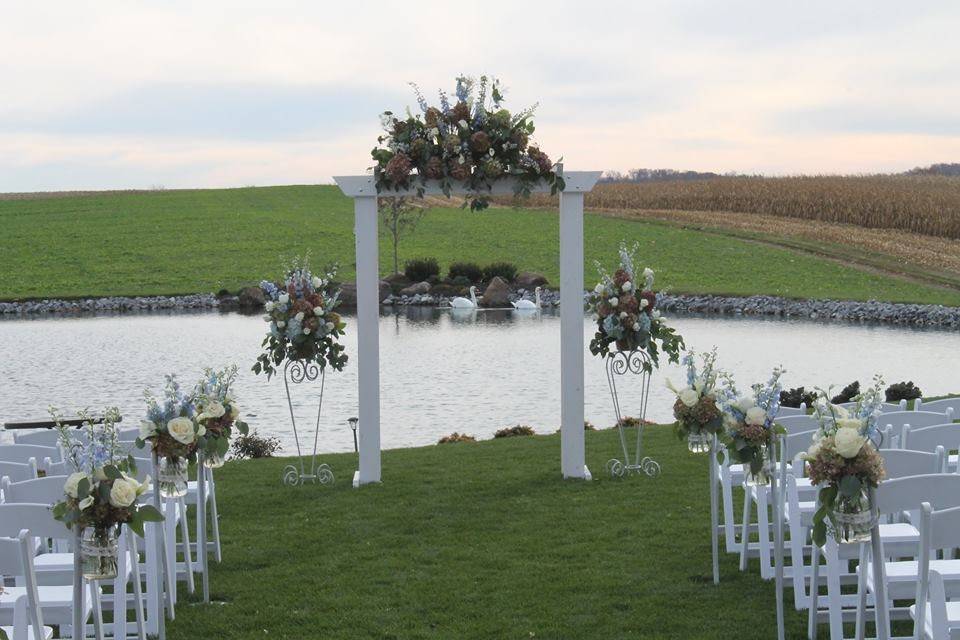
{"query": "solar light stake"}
{"type": "Point", "coordinates": [353, 426]}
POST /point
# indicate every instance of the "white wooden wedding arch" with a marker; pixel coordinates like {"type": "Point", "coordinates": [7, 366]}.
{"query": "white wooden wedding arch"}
{"type": "Point", "coordinates": [364, 193]}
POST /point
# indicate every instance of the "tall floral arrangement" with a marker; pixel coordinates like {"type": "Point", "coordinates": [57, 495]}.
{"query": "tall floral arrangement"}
{"type": "Point", "coordinates": [302, 322]}
{"type": "Point", "coordinates": [169, 426]}
{"type": "Point", "coordinates": [624, 307]}
{"type": "Point", "coordinates": [218, 413]}
{"type": "Point", "coordinates": [844, 462]}
{"type": "Point", "coordinates": [102, 491]}
{"type": "Point", "coordinates": [749, 422]}
{"type": "Point", "coordinates": [470, 139]}
{"type": "Point", "coordinates": [697, 409]}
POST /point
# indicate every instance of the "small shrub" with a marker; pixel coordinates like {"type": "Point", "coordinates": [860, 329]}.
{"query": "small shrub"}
{"type": "Point", "coordinates": [505, 270]}
{"type": "Point", "coordinates": [587, 426]}
{"type": "Point", "coordinates": [902, 391]}
{"type": "Point", "coordinates": [460, 281]}
{"type": "Point", "coordinates": [456, 437]}
{"type": "Point", "coordinates": [795, 397]}
{"type": "Point", "coordinates": [253, 445]}
{"type": "Point", "coordinates": [469, 270]}
{"type": "Point", "coordinates": [421, 269]}
{"type": "Point", "coordinates": [510, 432]}
{"type": "Point", "coordinates": [628, 421]}
{"type": "Point", "coordinates": [849, 393]}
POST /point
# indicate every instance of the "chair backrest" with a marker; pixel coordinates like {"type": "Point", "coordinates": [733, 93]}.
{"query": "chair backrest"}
{"type": "Point", "coordinates": [42, 437]}
{"type": "Point", "coordinates": [940, 406]}
{"type": "Point", "coordinates": [900, 463]}
{"type": "Point", "coordinates": [938, 530]}
{"type": "Point", "coordinates": [46, 490]}
{"type": "Point", "coordinates": [16, 560]}
{"type": "Point", "coordinates": [17, 471]}
{"type": "Point", "coordinates": [130, 433]}
{"type": "Point", "coordinates": [797, 424]}
{"type": "Point", "coordinates": [37, 519]}
{"type": "Point", "coordinates": [23, 452]}
{"type": "Point", "coordinates": [793, 411]}
{"type": "Point", "coordinates": [940, 490]}
{"type": "Point", "coordinates": [62, 468]}
{"type": "Point", "coordinates": [890, 407]}
{"type": "Point", "coordinates": [913, 418]}
{"type": "Point", "coordinates": [929, 438]}
{"type": "Point", "coordinates": [793, 444]}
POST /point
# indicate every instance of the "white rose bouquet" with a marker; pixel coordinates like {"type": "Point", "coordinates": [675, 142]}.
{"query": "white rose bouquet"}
{"type": "Point", "coordinates": [218, 413]}
{"type": "Point", "coordinates": [169, 425]}
{"type": "Point", "coordinates": [302, 322]}
{"type": "Point", "coordinates": [844, 462]}
{"type": "Point", "coordinates": [102, 492]}
{"type": "Point", "coordinates": [697, 408]}
{"type": "Point", "coordinates": [750, 421]}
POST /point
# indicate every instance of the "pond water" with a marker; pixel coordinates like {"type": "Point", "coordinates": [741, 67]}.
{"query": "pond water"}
{"type": "Point", "coordinates": [441, 371]}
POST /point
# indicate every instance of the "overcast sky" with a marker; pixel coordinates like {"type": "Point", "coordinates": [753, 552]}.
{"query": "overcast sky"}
{"type": "Point", "coordinates": [217, 93]}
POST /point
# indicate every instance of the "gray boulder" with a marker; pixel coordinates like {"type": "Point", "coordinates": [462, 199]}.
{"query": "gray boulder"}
{"type": "Point", "coordinates": [529, 280]}
{"type": "Point", "coordinates": [348, 293]}
{"type": "Point", "coordinates": [497, 294]}
{"type": "Point", "coordinates": [415, 289]}
{"type": "Point", "coordinates": [251, 298]}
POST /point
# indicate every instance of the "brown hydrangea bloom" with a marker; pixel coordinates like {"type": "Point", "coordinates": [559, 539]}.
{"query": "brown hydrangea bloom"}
{"type": "Point", "coordinates": [432, 117]}
{"type": "Point", "coordinates": [460, 112]}
{"type": "Point", "coordinates": [754, 433]}
{"type": "Point", "coordinates": [480, 142]}
{"type": "Point", "coordinates": [520, 139]}
{"type": "Point", "coordinates": [433, 170]}
{"type": "Point", "coordinates": [492, 168]}
{"type": "Point", "coordinates": [459, 171]}
{"type": "Point", "coordinates": [398, 168]}
{"type": "Point", "coordinates": [651, 299]}
{"type": "Point", "coordinates": [620, 277]}
{"type": "Point", "coordinates": [542, 159]}
{"type": "Point", "coordinates": [451, 142]}
{"type": "Point", "coordinates": [629, 303]}
{"type": "Point", "coordinates": [417, 147]}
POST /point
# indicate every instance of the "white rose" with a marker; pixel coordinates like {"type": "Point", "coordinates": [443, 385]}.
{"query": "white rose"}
{"type": "Point", "coordinates": [644, 303]}
{"type": "Point", "coordinates": [463, 124]}
{"type": "Point", "coordinates": [623, 314]}
{"type": "Point", "coordinates": [86, 502]}
{"type": "Point", "coordinates": [317, 282]}
{"type": "Point", "coordinates": [689, 397]}
{"type": "Point", "coordinates": [813, 451]}
{"type": "Point", "coordinates": [213, 410]}
{"type": "Point", "coordinates": [656, 314]}
{"type": "Point", "coordinates": [598, 288]}
{"type": "Point", "coordinates": [234, 411]}
{"type": "Point", "coordinates": [299, 316]}
{"type": "Point", "coordinates": [123, 493]}
{"type": "Point", "coordinates": [636, 326]}
{"type": "Point", "coordinates": [849, 423]}
{"type": "Point", "coordinates": [283, 298]}
{"type": "Point", "coordinates": [268, 305]}
{"type": "Point", "coordinates": [627, 286]}
{"type": "Point", "coordinates": [306, 331]}
{"type": "Point", "coordinates": [756, 416]}
{"type": "Point", "coordinates": [744, 403]}
{"type": "Point", "coordinates": [318, 311]}
{"type": "Point", "coordinates": [848, 442]}
{"type": "Point", "coordinates": [181, 430]}
{"type": "Point", "coordinates": [614, 302]}
{"type": "Point", "coordinates": [281, 324]}
{"type": "Point", "coordinates": [73, 480]}
{"type": "Point", "coordinates": [329, 326]}
{"type": "Point", "coordinates": [147, 429]}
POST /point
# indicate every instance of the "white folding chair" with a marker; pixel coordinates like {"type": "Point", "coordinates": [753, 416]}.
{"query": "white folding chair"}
{"type": "Point", "coordinates": [941, 618]}
{"type": "Point", "coordinates": [27, 615]}
{"type": "Point", "coordinates": [929, 438]}
{"type": "Point", "coordinates": [939, 532]}
{"type": "Point", "coordinates": [893, 497]}
{"type": "Point", "coordinates": [916, 419]}
{"type": "Point", "coordinates": [951, 405]}
{"type": "Point", "coordinates": [885, 407]}
{"type": "Point", "coordinates": [42, 437]}
{"type": "Point", "coordinates": [61, 605]}
{"type": "Point", "coordinates": [51, 468]}
{"type": "Point", "coordinates": [799, 505]}
{"type": "Point", "coordinates": [49, 490]}
{"type": "Point", "coordinates": [18, 471]}
{"type": "Point", "coordinates": [792, 411]}
{"type": "Point", "coordinates": [23, 452]}
{"type": "Point", "coordinates": [900, 537]}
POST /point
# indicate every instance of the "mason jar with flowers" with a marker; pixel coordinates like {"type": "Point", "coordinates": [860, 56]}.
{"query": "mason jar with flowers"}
{"type": "Point", "coordinates": [844, 463]}
{"type": "Point", "coordinates": [626, 314]}
{"type": "Point", "coordinates": [302, 322]}
{"type": "Point", "coordinates": [172, 432]}
{"type": "Point", "coordinates": [218, 413]}
{"type": "Point", "coordinates": [749, 423]}
{"type": "Point", "coordinates": [697, 407]}
{"type": "Point", "coordinates": [102, 492]}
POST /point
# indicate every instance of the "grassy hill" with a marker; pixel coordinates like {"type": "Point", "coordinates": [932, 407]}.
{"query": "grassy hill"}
{"type": "Point", "coordinates": [185, 241]}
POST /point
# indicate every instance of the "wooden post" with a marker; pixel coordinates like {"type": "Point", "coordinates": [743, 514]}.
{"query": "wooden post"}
{"type": "Point", "coordinates": [368, 338]}
{"type": "Point", "coordinates": [572, 454]}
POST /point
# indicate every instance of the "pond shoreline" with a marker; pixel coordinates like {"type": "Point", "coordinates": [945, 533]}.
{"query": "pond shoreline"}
{"type": "Point", "coordinates": [891, 313]}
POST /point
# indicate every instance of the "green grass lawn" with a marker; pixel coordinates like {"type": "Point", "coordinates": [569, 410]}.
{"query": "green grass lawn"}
{"type": "Point", "coordinates": [479, 540]}
{"type": "Point", "coordinates": [167, 242]}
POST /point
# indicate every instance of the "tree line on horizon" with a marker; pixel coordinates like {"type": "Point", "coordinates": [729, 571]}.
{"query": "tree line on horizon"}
{"type": "Point", "coordinates": [951, 169]}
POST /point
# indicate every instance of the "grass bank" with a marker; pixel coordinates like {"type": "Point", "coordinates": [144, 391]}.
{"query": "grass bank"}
{"type": "Point", "coordinates": [479, 540]}
{"type": "Point", "coordinates": [166, 242]}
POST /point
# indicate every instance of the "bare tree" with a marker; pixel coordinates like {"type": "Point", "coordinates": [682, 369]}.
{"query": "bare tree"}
{"type": "Point", "coordinates": [400, 217]}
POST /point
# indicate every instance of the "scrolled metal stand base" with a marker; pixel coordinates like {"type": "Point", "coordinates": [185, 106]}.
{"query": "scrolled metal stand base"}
{"type": "Point", "coordinates": [621, 363]}
{"type": "Point", "coordinates": [298, 371]}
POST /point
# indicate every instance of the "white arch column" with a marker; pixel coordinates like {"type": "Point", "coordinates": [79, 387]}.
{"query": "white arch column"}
{"type": "Point", "coordinates": [363, 190]}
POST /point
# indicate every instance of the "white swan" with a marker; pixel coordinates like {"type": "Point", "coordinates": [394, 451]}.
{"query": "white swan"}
{"type": "Point", "coordinates": [466, 303]}
{"type": "Point", "coordinates": [526, 304]}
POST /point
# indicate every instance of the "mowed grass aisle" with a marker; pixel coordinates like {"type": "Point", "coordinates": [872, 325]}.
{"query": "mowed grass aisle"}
{"type": "Point", "coordinates": [199, 241]}
{"type": "Point", "coordinates": [478, 541]}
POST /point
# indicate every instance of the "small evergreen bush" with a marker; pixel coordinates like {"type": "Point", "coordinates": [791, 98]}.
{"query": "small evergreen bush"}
{"type": "Point", "coordinates": [421, 269]}
{"type": "Point", "coordinates": [253, 445]}
{"type": "Point", "coordinates": [505, 270]}
{"type": "Point", "coordinates": [470, 271]}
{"type": "Point", "coordinates": [510, 432]}
{"type": "Point", "coordinates": [795, 397]}
{"type": "Point", "coordinates": [456, 437]}
{"type": "Point", "coordinates": [849, 393]}
{"type": "Point", "coordinates": [903, 391]}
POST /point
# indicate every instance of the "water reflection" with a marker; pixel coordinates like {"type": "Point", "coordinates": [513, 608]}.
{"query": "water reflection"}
{"type": "Point", "coordinates": [441, 371]}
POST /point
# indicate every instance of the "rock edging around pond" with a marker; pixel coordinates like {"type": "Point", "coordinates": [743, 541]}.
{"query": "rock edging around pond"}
{"type": "Point", "coordinates": [903, 314]}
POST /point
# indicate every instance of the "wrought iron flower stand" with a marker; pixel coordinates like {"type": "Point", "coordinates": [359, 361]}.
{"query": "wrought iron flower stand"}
{"type": "Point", "coordinates": [297, 372]}
{"type": "Point", "coordinates": [618, 365]}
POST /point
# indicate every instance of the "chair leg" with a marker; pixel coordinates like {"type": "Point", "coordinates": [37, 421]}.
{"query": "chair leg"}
{"type": "Point", "coordinates": [745, 531]}
{"type": "Point", "coordinates": [798, 538]}
{"type": "Point", "coordinates": [214, 518]}
{"type": "Point", "coordinates": [834, 595]}
{"type": "Point", "coordinates": [170, 524]}
{"type": "Point", "coordinates": [862, 594]}
{"type": "Point", "coordinates": [814, 592]}
{"type": "Point", "coordinates": [97, 610]}
{"type": "Point", "coordinates": [763, 527]}
{"type": "Point", "coordinates": [187, 555]}
{"type": "Point", "coordinates": [120, 588]}
{"type": "Point", "coordinates": [137, 592]}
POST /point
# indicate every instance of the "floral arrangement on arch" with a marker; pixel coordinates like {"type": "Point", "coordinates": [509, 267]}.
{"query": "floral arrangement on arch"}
{"type": "Point", "coordinates": [302, 322]}
{"type": "Point", "coordinates": [218, 413]}
{"type": "Point", "coordinates": [473, 140]}
{"type": "Point", "coordinates": [169, 425]}
{"type": "Point", "coordinates": [844, 462]}
{"type": "Point", "coordinates": [626, 314]}
{"type": "Point", "coordinates": [697, 409]}
{"type": "Point", "coordinates": [749, 422]}
{"type": "Point", "coordinates": [102, 492]}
